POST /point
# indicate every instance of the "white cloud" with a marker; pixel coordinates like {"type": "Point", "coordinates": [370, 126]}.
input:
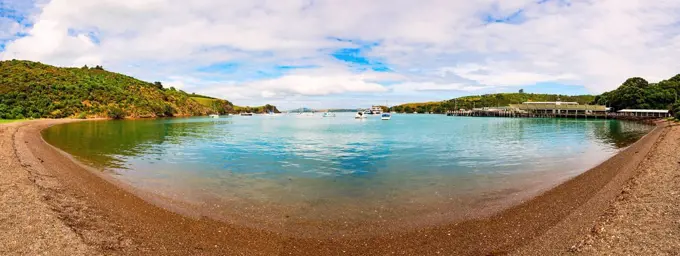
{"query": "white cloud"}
{"type": "Point", "coordinates": [432, 46]}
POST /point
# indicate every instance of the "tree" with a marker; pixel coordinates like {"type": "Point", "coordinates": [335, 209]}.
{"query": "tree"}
{"type": "Point", "coordinates": [521, 90]}
{"type": "Point", "coordinates": [158, 85]}
{"type": "Point", "coordinates": [636, 82]}
{"type": "Point", "coordinates": [116, 113]}
{"type": "Point", "coordinates": [637, 93]}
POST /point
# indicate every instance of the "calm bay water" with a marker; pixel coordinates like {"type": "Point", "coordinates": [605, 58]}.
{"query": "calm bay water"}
{"type": "Point", "coordinates": [274, 171]}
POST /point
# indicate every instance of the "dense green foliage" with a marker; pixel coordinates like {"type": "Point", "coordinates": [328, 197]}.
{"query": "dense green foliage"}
{"type": "Point", "coordinates": [487, 100]}
{"type": "Point", "coordinates": [35, 90]}
{"type": "Point", "coordinates": [259, 109]}
{"type": "Point", "coordinates": [217, 106]}
{"type": "Point", "coordinates": [637, 93]}
{"type": "Point", "coordinates": [676, 110]}
{"type": "Point", "coordinates": [224, 106]}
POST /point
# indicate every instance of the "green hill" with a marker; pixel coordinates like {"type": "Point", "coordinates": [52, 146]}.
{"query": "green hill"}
{"type": "Point", "coordinates": [35, 90]}
{"type": "Point", "coordinates": [228, 107]}
{"type": "Point", "coordinates": [487, 100]}
{"type": "Point", "coordinates": [218, 106]}
{"type": "Point", "coordinates": [637, 93]}
{"type": "Point", "coordinates": [257, 109]}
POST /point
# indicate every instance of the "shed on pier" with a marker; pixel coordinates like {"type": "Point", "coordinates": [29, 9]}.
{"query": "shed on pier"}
{"type": "Point", "coordinates": [645, 112]}
{"type": "Point", "coordinates": [560, 108]}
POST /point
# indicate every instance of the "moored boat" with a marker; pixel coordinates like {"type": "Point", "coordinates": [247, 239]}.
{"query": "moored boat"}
{"type": "Point", "coordinates": [386, 116]}
{"type": "Point", "coordinates": [214, 116]}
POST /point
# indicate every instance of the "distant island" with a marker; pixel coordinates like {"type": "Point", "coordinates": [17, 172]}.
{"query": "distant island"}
{"type": "Point", "coordinates": [35, 90]}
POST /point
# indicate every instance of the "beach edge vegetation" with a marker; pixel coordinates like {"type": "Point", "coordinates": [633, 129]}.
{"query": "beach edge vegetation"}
{"type": "Point", "coordinates": [35, 90]}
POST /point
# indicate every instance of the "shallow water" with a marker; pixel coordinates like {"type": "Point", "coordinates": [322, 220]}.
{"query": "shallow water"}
{"type": "Point", "coordinates": [282, 171]}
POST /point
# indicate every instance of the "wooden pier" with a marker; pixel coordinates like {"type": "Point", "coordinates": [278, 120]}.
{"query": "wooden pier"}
{"type": "Point", "coordinates": [574, 114]}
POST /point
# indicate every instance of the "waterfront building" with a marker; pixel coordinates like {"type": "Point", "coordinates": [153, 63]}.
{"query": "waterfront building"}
{"type": "Point", "coordinates": [559, 108]}
{"type": "Point", "coordinates": [645, 112]}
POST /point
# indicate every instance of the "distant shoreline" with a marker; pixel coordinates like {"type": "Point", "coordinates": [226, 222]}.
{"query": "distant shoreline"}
{"type": "Point", "coordinates": [110, 219]}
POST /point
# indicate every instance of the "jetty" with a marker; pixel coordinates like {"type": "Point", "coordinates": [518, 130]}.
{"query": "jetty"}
{"type": "Point", "coordinates": [560, 109]}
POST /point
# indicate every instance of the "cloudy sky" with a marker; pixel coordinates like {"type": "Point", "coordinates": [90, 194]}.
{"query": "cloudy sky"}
{"type": "Point", "coordinates": [353, 53]}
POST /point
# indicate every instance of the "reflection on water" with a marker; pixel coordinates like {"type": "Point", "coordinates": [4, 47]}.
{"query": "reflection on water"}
{"type": "Point", "coordinates": [337, 168]}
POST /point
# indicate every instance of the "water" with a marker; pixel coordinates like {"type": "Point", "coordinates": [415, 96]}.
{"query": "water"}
{"type": "Point", "coordinates": [295, 172]}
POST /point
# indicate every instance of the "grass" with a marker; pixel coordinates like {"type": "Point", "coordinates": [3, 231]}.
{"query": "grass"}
{"type": "Point", "coordinates": [203, 101]}
{"type": "Point", "coordinates": [6, 121]}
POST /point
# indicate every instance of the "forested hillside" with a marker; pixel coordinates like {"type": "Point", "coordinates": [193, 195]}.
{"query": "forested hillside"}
{"type": "Point", "coordinates": [224, 106]}
{"type": "Point", "coordinates": [637, 93]}
{"type": "Point", "coordinates": [487, 100]}
{"type": "Point", "coordinates": [35, 90]}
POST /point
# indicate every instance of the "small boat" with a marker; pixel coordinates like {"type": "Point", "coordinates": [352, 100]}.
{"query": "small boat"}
{"type": "Point", "coordinates": [360, 115]}
{"type": "Point", "coordinates": [386, 116]}
{"type": "Point", "coordinates": [328, 114]}
{"type": "Point", "coordinates": [246, 114]}
{"type": "Point", "coordinates": [368, 112]}
{"type": "Point", "coordinates": [214, 116]}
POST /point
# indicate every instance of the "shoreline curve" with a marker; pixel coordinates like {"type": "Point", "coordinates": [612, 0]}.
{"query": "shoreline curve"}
{"type": "Point", "coordinates": [109, 217]}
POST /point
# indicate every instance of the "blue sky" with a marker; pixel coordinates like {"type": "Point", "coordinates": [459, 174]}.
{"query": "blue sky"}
{"type": "Point", "coordinates": [353, 53]}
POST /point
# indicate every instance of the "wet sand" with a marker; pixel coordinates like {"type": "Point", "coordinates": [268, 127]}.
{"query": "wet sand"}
{"type": "Point", "coordinates": [84, 213]}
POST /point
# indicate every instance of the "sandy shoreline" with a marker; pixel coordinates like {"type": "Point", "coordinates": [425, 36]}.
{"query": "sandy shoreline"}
{"type": "Point", "coordinates": [91, 215]}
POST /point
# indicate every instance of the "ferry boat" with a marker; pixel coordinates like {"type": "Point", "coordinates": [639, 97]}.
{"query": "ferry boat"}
{"type": "Point", "coordinates": [386, 116]}
{"type": "Point", "coordinates": [376, 110]}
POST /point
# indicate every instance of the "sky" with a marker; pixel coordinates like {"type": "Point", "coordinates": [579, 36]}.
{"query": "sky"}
{"type": "Point", "coordinates": [353, 53]}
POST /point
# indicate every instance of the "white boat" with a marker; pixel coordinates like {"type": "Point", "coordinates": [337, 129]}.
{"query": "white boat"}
{"type": "Point", "coordinates": [386, 116]}
{"type": "Point", "coordinates": [376, 110]}
{"type": "Point", "coordinates": [246, 114]}
{"type": "Point", "coordinates": [214, 116]}
{"type": "Point", "coordinates": [328, 114]}
{"type": "Point", "coordinates": [360, 115]}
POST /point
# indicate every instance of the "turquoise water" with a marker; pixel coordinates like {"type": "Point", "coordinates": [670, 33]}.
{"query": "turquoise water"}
{"type": "Point", "coordinates": [339, 168]}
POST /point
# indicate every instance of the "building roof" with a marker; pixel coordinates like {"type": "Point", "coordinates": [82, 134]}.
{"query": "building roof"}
{"type": "Point", "coordinates": [558, 107]}
{"type": "Point", "coordinates": [644, 111]}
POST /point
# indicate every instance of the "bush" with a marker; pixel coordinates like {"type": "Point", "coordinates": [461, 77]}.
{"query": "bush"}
{"type": "Point", "coordinates": [676, 110]}
{"type": "Point", "coordinates": [116, 113]}
{"type": "Point", "coordinates": [82, 115]}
